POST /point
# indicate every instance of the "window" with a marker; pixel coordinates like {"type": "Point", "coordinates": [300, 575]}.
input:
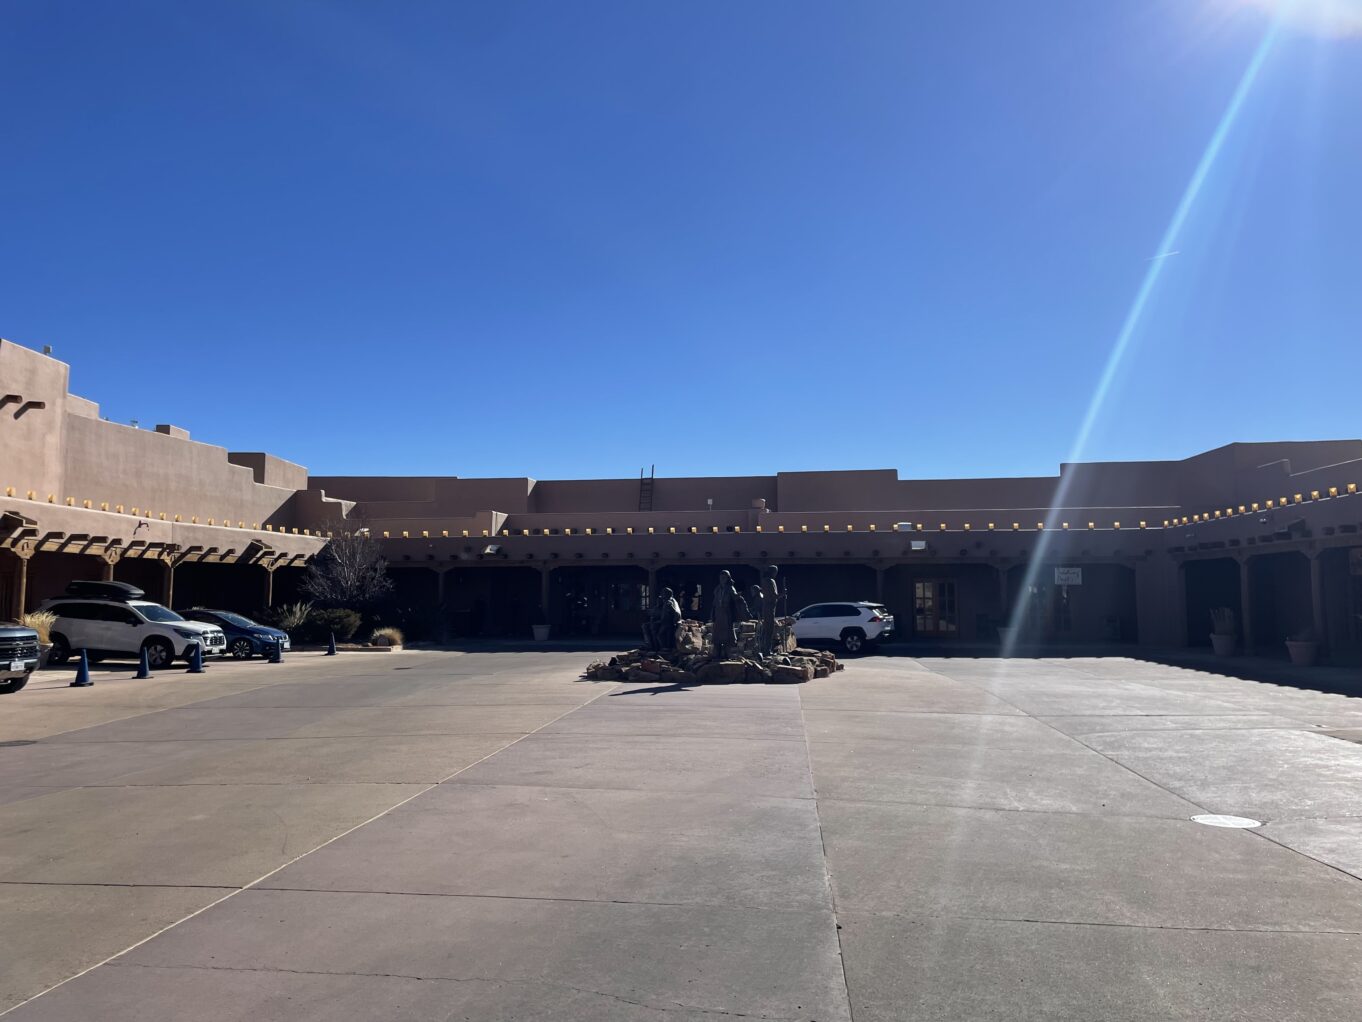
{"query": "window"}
{"type": "Point", "coordinates": [817, 610]}
{"type": "Point", "coordinates": [843, 610]}
{"type": "Point", "coordinates": [114, 613]}
{"type": "Point", "coordinates": [77, 611]}
{"type": "Point", "coordinates": [934, 610]}
{"type": "Point", "coordinates": [155, 612]}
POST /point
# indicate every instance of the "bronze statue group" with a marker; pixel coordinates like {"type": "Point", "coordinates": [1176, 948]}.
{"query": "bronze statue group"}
{"type": "Point", "coordinates": [727, 608]}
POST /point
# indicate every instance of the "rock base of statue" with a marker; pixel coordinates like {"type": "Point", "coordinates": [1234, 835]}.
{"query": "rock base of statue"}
{"type": "Point", "coordinates": [692, 662]}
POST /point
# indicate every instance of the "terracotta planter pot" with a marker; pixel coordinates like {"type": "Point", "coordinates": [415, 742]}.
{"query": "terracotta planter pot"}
{"type": "Point", "coordinates": [541, 632]}
{"type": "Point", "coordinates": [1222, 644]}
{"type": "Point", "coordinates": [1302, 653]}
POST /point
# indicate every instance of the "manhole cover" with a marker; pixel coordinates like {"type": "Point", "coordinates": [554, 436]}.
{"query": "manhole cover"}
{"type": "Point", "coordinates": [1216, 820]}
{"type": "Point", "coordinates": [17, 742]}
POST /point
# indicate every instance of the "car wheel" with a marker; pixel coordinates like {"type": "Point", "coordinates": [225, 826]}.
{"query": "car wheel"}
{"type": "Point", "coordinates": [159, 653]}
{"type": "Point", "coordinates": [853, 641]}
{"type": "Point", "coordinates": [241, 649]}
{"type": "Point", "coordinates": [60, 651]}
{"type": "Point", "coordinates": [13, 685]}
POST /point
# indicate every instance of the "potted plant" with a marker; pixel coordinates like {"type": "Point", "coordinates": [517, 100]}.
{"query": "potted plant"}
{"type": "Point", "coordinates": [1303, 648]}
{"type": "Point", "coordinates": [539, 624]}
{"type": "Point", "coordinates": [1222, 631]}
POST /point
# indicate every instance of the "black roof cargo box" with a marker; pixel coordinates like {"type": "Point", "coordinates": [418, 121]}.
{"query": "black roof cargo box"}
{"type": "Point", "coordinates": [104, 590]}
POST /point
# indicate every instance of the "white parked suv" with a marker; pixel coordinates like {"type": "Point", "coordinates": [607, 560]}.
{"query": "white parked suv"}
{"type": "Point", "coordinates": [111, 619]}
{"type": "Point", "coordinates": [852, 625]}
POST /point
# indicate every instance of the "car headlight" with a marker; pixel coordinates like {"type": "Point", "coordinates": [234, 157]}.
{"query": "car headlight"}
{"type": "Point", "coordinates": [185, 633]}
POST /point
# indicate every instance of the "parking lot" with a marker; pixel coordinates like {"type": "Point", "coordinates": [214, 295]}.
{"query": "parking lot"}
{"type": "Point", "coordinates": [432, 835]}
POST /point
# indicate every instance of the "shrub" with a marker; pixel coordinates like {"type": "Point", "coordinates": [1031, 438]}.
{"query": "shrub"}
{"type": "Point", "coordinates": [337, 621]}
{"type": "Point", "coordinates": [386, 637]}
{"type": "Point", "coordinates": [290, 616]}
{"type": "Point", "coordinates": [41, 621]}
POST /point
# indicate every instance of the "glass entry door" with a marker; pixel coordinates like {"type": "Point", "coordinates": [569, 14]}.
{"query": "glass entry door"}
{"type": "Point", "coordinates": [934, 609]}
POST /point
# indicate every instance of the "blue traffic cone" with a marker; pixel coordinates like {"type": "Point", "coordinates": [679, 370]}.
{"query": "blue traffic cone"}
{"type": "Point", "coordinates": [82, 672]}
{"type": "Point", "coordinates": [195, 659]}
{"type": "Point", "coordinates": [331, 645]}
{"type": "Point", "coordinates": [276, 652]}
{"type": "Point", "coordinates": [143, 665]}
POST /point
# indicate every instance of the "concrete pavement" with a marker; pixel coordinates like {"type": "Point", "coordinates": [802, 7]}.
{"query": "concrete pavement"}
{"type": "Point", "coordinates": [436, 835]}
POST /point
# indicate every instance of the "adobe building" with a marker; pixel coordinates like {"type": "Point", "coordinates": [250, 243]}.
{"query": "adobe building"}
{"type": "Point", "coordinates": [84, 498]}
{"type": "Point", "coordinates": [1133, 553]}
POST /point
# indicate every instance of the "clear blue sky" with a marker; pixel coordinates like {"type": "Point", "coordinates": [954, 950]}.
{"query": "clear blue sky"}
{"type": "Point", "coordinates": [571, 239]}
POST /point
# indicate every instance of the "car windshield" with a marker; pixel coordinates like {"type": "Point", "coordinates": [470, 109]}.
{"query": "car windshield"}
{"type": "Point", "coordinates": [155, 612]}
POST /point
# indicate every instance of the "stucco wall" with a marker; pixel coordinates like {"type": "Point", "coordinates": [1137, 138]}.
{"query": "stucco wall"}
{"type": "Point", "coordinates": [105, 461]}
{"type": "Point", "coordinates": [426, 496]}
{"type": "Point", "coordinates": [269, 470]}
{"type": "Point", "coordinates": [31, 437]}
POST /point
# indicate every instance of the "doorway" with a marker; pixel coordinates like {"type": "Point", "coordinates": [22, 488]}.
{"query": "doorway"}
{"type": "Point", "coordinates": [935, 612]}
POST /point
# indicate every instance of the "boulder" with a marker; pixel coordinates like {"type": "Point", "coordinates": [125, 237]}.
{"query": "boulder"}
{"type": "Point", "coordinates": [757, 674]}
{"type": "Point", "coordinates": [723, 671]}
{"type": "Point", "coordinates": [791, 673]}
{"type": "Point", "coordinates": [638, 674]}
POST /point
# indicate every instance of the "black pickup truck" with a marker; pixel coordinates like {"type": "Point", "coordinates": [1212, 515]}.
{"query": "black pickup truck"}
{"type": "Point", "coordinates": [18, 656]}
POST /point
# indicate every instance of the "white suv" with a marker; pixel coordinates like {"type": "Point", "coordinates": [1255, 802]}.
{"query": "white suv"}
{"type": "Point", "coordinates": [111, 627]}
{"type": "Point", "coordinates": [851, 624]}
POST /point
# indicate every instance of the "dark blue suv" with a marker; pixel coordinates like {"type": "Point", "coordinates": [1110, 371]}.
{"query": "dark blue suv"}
{"type": "Point", "coordinates": [245, 638]}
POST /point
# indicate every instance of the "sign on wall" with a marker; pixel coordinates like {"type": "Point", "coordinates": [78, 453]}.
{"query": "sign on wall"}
{"type": "Point", "coordinates": [1068, 576]}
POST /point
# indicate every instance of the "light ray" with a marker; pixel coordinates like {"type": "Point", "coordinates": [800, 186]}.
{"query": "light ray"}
{"type": "Point", "coordinates": [1119, 349]}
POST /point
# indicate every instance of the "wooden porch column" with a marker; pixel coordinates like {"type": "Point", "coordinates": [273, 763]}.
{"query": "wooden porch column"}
{"type": "Point", "coordinates": [1317, 618]}
{"type": "Point", "coordinates": [169, 582]}
{"type": "Point", "coordinates": [544, 573]}
{"type": "Point", "coordinates": [110, 557]}
{"type": "Point", "coordinates": [1246, 604]}
{"type": "Point", "coordinates": [1180, 605]}
{"type": "Point", "coordinates": [879, 582]}
{"type": "Point", "coordinates": [269, 585]}
{"type": "Point", "coordinates": [21, 585]}
{"type": "Point", "coordinates": [441, 575]}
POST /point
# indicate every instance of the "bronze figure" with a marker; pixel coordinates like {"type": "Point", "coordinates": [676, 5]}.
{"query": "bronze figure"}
{"type": "Point", "coordinates": [659, 627]}
{"type": "Point", "coordinates": [727, 610]}
{"type": "Point", "coordinates": [770, 599]}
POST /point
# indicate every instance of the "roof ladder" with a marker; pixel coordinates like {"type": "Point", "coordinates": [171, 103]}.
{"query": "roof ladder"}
{"type": "Point", "coordinates": [645, 489]}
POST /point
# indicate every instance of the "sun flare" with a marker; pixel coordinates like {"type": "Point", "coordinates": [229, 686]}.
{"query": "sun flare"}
{"type": "Point", "coordinates": [1322, 17]}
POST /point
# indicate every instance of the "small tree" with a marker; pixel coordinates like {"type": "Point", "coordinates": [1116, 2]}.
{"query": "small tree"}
{"type": "Point", "coordinates": [350, 570]}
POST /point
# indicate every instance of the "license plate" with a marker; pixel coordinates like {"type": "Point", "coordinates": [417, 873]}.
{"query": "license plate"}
{"type": "Point", "coordinates": [16, 665]}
